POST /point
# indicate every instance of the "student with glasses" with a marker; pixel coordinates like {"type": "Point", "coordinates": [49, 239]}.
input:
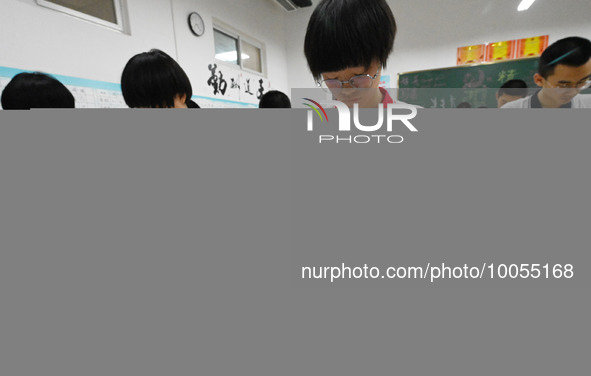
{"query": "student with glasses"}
{"type": "Point", "coordinates": [564, 70]}
{"type": "Point", "coordinates": [347, 45]}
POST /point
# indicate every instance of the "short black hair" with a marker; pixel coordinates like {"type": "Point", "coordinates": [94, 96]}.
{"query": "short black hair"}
{"type": "Point", "coordinates": [571, 51]}
{"type": "Point", "coordinates": [36, 90]}
{"type": "Point", "coordinates": [192, 104]}
{"type": "Point", "coordinates": [152, 80]}
{"type": "Point", "coordinates": [513, 88]}
{"type": "Point", "coordinates": [349, 33]}
{"type": "Point", "coordinates": [274, 99]}
{"type": "Point", "coordinates": [464, 105]}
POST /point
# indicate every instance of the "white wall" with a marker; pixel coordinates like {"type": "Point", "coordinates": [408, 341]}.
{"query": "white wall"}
{"type": "Point", "coordinates": [37, 38]}
{"type": "Point", "coordinates": [299, 74]}
{"type": "Point", "coordinates": [430, 31]}
{"type": "Point", "coordinates": [261, 20]}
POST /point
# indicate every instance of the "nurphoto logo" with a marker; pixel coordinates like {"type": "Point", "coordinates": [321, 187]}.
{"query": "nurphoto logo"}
{"type": "Point", "coordinates": [368, 136]}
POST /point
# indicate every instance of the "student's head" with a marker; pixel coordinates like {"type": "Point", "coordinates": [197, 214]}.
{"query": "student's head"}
{"type": "Point", "coordinates": [464, 105]}
{"type": "Point", "coordinates": [192, 104]}
{"type": "Point", "coordinates": [154, 80]}
{"type": "Point", "coordinates": [349, 38]}
{"type": "Point", "coordinates": [510, 91]}
{"type": "Point", "coordinates": [274, 99]}
{"type": "Point", "coordinates": [35, 90]}
{"type": "Point", "coordinates": [565, 66]}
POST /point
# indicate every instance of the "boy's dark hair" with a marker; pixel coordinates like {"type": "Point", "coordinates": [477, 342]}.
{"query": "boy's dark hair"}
{"type": "Point", "coordinates": [514, 88]}
{"type": "Point", "coordinates": [152, 80]}
{"type": "Point", "coordinates": [571, 51]}
{"type": "Point", "coordinates": [349, 33]}
{"type": "Point", "coordinates": [192, 104]}
{"type": "Point", "coordinates": [274, 99]}
{"type": "Point", "coordinates": [36, 90]}
{"type": "Point", "coordinates": [464, 105]}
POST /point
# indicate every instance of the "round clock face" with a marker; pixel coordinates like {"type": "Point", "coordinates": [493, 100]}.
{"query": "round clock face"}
{"type": "Point", "coordinates": [196, 24]}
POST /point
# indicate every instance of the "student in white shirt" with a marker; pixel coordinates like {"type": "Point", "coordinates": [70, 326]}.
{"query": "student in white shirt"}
{"type": "Point", "coordinates": [564, 70]}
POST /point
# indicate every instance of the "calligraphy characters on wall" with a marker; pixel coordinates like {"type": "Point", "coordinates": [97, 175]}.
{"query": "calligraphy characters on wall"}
{"type": "Point", "coordinates": [225, 82]}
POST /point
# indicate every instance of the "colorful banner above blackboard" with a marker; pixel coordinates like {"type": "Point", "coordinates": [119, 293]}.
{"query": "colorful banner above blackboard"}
{"type": "Point", "coordinates": [500, 51]}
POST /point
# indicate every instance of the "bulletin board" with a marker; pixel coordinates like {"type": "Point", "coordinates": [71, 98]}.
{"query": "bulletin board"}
{"type": "Point", "coordinates": [447, 86]}
{"type": "Point", "coordinates": [87, 93]}
{"type": "Point", "coordinates": [100, 94]}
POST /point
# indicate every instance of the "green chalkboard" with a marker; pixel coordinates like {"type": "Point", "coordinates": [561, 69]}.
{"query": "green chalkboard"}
{"type": "Point", "coordinates": [476, 84]}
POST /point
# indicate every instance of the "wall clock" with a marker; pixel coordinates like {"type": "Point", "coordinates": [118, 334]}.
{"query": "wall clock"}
{"type": "Point", "coordinates": [196, 24]}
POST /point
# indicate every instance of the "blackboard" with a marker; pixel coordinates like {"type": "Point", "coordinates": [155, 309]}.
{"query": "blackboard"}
{"type": "Point", "coordinates": [476, 84]}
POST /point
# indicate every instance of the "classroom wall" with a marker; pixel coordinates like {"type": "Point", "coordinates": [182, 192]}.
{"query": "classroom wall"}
{"type": "Point", "coordinates": [429, 32]}
{"type": "Point", "coordinates": [37, 38]}
{"type": "Point", "coordinates": [261, 20]}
